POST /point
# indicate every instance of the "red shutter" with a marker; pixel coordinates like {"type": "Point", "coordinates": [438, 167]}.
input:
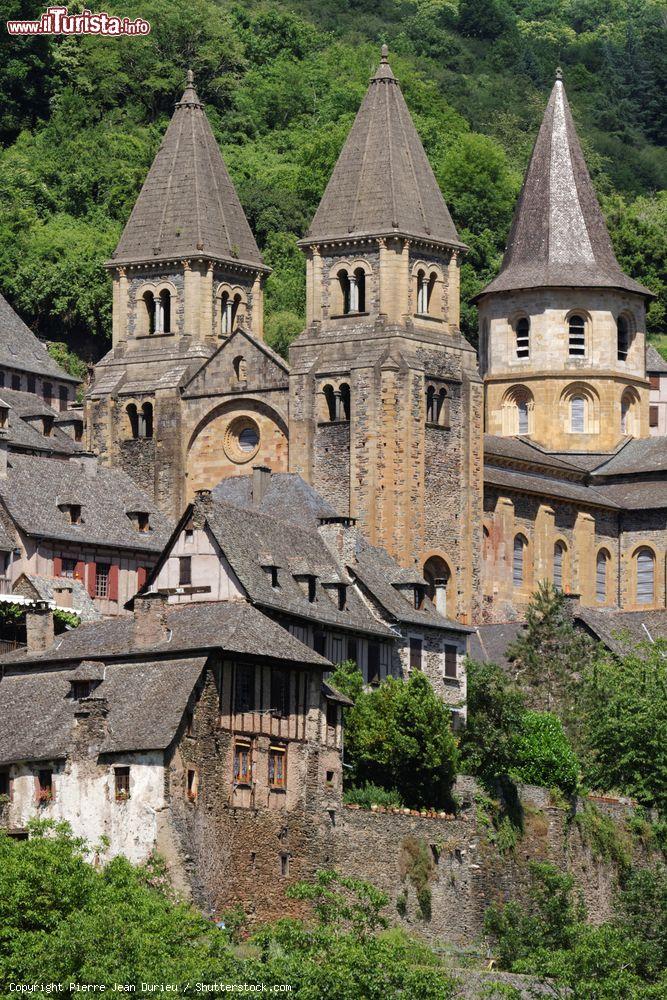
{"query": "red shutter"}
{"type": "Point", "coordinates": [57, 566]}
{"type": "Point", "coordinates": [92, 573]}
{"type": "Point", "coordinates": [80, 571]}
{"type": "Point", "coordinates": [142, 575]}
{"type": "Point", "coordinates": [113, 582]}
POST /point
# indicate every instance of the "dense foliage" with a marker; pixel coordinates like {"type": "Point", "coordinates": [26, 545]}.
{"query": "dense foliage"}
{"type": "Point", "coordinates": [63, 920]}
{"type": "Point", "coordinates": [625, 957]}
{"type": "Point", "coordinates": [398, 736]}
{"type": "Point", "coordinates": [81, 119]}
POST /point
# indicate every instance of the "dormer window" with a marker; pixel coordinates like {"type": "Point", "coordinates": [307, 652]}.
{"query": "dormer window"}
{"type": "Point", "coordinates": [272, 573]}
{"type": "Point", "coordinates": [312, 589]}
{"type": "Point", "coordinates": [140, 519]}
{"type": "Point", "coordinates": [4, 417]}
{"type": "Point", "coordinates": [308, 584]}
{"type": "Point", "coordinates": [47, 426]}
{"type": "Point", "coordinates": [83, 689]}
{"type": "Point", "coordinates": [342, 596]}
{"type": "Point", "coordinates": [72, 512]}
{"type": "Point", "coordinates": [419, 595]}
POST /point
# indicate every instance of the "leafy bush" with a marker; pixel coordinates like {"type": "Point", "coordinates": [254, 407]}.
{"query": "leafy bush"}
{"type": "Point", "coordinates": [495, 711]}
{"type": "Point", "coordinates": [542, 753]}
{"type": "Point", "coordinates": [372, 795]}
{"type": "Point", "coordinates": [399, 737]}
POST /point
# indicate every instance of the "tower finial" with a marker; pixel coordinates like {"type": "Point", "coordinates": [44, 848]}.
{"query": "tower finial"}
{"type": "Point", "coordinates": [559, 73]}
{"type": "Point", "coordinates": [190, 77]}
{"type": "Point", "coordinates": [384, 53]}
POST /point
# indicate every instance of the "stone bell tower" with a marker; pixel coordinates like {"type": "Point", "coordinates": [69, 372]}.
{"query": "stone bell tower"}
{"type": "Point", "coordinates": [385, 400]}
{"type": "Point", "coordinates": [186, 274]}
{"type": "Point", "coordinates": [562, 328]}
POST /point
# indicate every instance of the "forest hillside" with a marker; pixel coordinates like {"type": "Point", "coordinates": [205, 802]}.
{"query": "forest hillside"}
{"type": "Point", "coordinates": [82, 118]}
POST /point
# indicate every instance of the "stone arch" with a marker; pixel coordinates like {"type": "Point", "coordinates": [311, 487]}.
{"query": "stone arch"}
{"type": "Point", "coordinates": [578, 335]}
{"type": "Point", "coordinates": [630, 412]}
{"type": "Point", "coordinates": [233, 436]}
{"type": "Point", "coordinates": [155, 304]}
{"type": "Point", "coordinates": [231, 305]}
{"type": "Point", "coordinates": [645, 583]}
{"type": "Point", "coordinates": [603, 567]}
{"type": "Point", "coordinates": [439, 575]}
{"type": "Point", "coordinates": [626, 328]}
{"type": "Point", "coordinates": [427, 289]}
{"type": "Point", "coordinates": [349, 286]}
{"type": "Point", "coordinates": [561, 565]}
{"type": "Point", "coordinates": [518, 407]}
{"type": "Point", "coordinates": [580, 409]}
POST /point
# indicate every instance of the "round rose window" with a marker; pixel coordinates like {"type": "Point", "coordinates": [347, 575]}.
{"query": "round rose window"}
{"type": "Point", "coordinates": [241, 441]}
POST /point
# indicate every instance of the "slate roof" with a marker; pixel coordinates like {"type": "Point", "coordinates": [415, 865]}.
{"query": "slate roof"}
{"type": "Point", "coordinates": [233, 626]}
{"type": "Point", "coordinates": [634, 494]}
{"type": "Point", "coordinates": [522, 450]}
{"type": "Point", "coordinates": [25, 434]}
{"type": "Point", "coordinates": [7, 541]}
{"type": "Point", "coordinates": [20, 349]}
{"type": "Point", "coordinates": [558, 235]}
{"type": "Point", "coordinates": [33, 489]}
{"type": "Point", "coordinates": [621, 631]}
{"type": "Point", "coordinates": [44, 589]}
{"type": "Point", "coordinates": [146, 704]}
{"type": "Point", "coordinates": [251, 540]}
{"type": "Point", "coordinates": [655, 363]}
{"type": "Point", "coordinates": [489, 643]}
{"type": "Point", "coordinates": [637, 455]}
{"type": "Point", "coordinates": [287, 498]}
{"type": "Point", "coordinates": [188, 205]}
{"type": "Point", "coordinates": [546, 485]}
{"type": "Point", "coordinates": [382, 183]}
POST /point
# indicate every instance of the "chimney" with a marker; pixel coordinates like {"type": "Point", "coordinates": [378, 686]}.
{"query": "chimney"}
{"type": "Point", "coordinates": [89, 464]}
{"type": "Point", "coordinates": [202, 504]}
{"type": "Point", "coordinates": [39, 626]}
{"type": "Point", "coordinates": [261, 480]}
{"type": "Point", "coordinates": [150, 620]}
{"type": "Point", "coordinates": [340, 535]}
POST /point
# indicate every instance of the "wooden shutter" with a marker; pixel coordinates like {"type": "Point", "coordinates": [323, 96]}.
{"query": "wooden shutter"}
{"type": "Point", "coordinates": [91, 570]}
{"type": "Point", "coordinates": [113, 582]}
{"type": "Point", "coordinates": [80, 571]}
{"type": "Point", "coordinates": [57, 566]}
{"type": "Point", "coordinates": [645, 576]}
{"type": "Point", "coordinates": [142, 574]}
{"type": "Point", "coordinates": [450, 662]}
{"type": "Point", "coordinates": [653, 418]}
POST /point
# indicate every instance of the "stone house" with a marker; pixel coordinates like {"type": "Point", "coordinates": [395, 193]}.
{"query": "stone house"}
{"type": "Point", "coordinates": [26, 365]}
{"type": "Point", "coordinates": [315, 573]}
{"type": "Point", "coordinates": [203, 731]}
{"type": "Point", "coordinates": [656, 371]}
{"type": "Point", "coordinates": [75, 521]}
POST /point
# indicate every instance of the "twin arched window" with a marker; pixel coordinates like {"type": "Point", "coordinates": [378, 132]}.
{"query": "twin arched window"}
{"type": "Point", "coordinates": [229, 307]}
{"type": "Point", "coordinates": [157, 312]}
{"type": "Point", "coordinates": [140, 420]}
{"type": "Point", "coordinates": [425, 285]}
{"type": "Point", "coordinates": [353, 290]}
{"type": "Point", "coordinates": [577, 336]}
{"type": "Point", "coordinates": [337, 402]}
{"type": "Point", "coordinates": [437, 406]}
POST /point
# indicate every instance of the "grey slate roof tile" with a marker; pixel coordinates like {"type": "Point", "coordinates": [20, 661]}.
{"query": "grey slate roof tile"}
{"type": "Point", "coordinates": [44, 588]}
{"type": "Point", "coordinates": [383, 182]}
{"type": "Point", "coordinates": [235, 627]}
{"type": "Point", "coordinates": [558, 235]}
{"type": "Point", "coordinates": [20, 348]}
{"type": "Point", "coordinates": [288, 498]}
{"type": "Point", "coordinates": [34, 488]}
{"type": "Point", "coordinates": [655, 363]}
{"type": "Point", "coordinates": [621, 631]}
{"type": "Point", "coordinates": [636, 455]}
{"type": "Point", "coordinates": [188, 205]}
{"type": "Point", "coordinates": [25, 434]}
{"type": "Point", "coordinates": [545, 485]}
{"type": "Point", "coordinates": [489, 643]}
{"type": "Point", "coordinates": [146, 704]}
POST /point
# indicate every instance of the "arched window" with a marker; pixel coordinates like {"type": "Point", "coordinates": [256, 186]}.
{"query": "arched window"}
{"type": "Point", "coordinates": [438, 578]}
{"type": "Point", "coordinates": [149, 309]}
{"type": "Point", "coordinates": [559, 564]}
{"type": "Point", "coordinates": [625, 409]}
{"type": "Point", "coordinates": [645, 560]}
{"type": "Point", "coordinates": [517, 412]}
{"type": "Point", "coordinates": [358, 291]}
{"type": "Point", "coordinates": [226, 309]}
{"type": "Point", "coordinates": [578, 414]}
{"type": "Point", "coordinates": [133, 420]}
{"type": "Point", "coordinates": [523, 338]}
{"type": "Point", "coordinates": [163, 312]}
{"type": "Point", "coordinates": [344, 402]}
{"type": "Point", "coordinates": [629, 408]}
{"type": "Point", "coordinates": [519, 559]}
{"type": "Point", "coordinates": [422, 293]}
{"type": "Point", "coordinates": [622, 337]}
{"type": "Point", "coordinates": [437, 406]}
{"type": "Point", "coordinates": [330, 402]}
{"type": "Point", "coordinates": [344, 282]}
{"type": "Point", "coordinates": [577, 336]}
{"type": "Point", "coordinates": [601, 565]}
{"type": "Point", "coordinates": [524, 421]}
{"type": "Point", "coordinates": [241, 368]}
{"type": "Point", "coordinates": [431, 405]}
{"type": "Point", "coordinates": [146, 421]}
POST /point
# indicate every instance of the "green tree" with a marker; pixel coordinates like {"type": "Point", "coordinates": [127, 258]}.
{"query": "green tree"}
{"type": "Point", "coordinates": [495, 712]}
{"type": "Point", "coordinates": [543, 754]}
{"type": "Point", "coordinates": [623, 702]}
{"type": "Point", "coordinates": [399, 736]}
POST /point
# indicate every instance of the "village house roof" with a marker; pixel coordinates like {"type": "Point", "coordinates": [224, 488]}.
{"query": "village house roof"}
{"type": "Point", "coordinates": [382, 183]}
{"type": "Point", "coordinates": [22, 351]}
{"type": "Point", "coordinates": [558, 235]}
{"type": "Point", "coordinates": [32, 491]}
{"type": "Point", "coordinates": [233, 627]}
{"type": "Point", "coordinates": [188, 206]}
{"type": "Point", "coordinates": [489, 643]}
{"type": "Point", "coordinates": [25, 430]}
{"type": "Point", "coordinates": [145, 702]}
{"type": "Point", "coordinates": [287, 498]}
{"type": "Point", "coordinates": [637, 455]}
{"type": "Point", "coordinates": [655, 363]}
{"type": "Point", "coordinates": [46, 588]}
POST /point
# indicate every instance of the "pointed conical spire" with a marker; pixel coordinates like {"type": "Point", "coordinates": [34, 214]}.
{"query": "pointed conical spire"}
{"type": "Point", "coordinates": [188, 205]}
{"type": "Point", "coordinates": [383, 183]}
{"type": "Point", "coordinates": [558, 235]}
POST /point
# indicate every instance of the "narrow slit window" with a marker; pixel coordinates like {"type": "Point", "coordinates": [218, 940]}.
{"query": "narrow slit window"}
{"type": "Point", "coordinates": [577, 336]}
{"type": "Point", "coordinates": [518, 567]}
{"type": "Point", "coordinates": [523, 338]}
{"type": "Point", "coordinates": [601, 577]}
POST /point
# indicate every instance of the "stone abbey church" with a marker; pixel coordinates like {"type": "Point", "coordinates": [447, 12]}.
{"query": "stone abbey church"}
{"type": "Point", "coordinates": [533, 461]}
